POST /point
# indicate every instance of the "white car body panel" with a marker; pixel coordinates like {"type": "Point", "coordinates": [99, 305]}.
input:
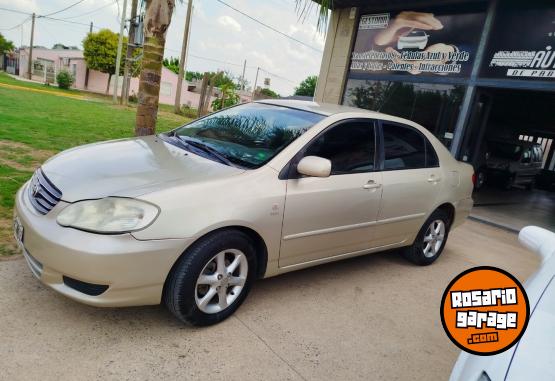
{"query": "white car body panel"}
{"type": "Point", "coordinates": [533, 357]}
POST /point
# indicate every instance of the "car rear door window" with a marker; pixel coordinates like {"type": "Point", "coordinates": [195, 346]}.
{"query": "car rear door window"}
{"type": "Point", "coordinates": [349, 146]}
{"type": "Point", "coordinates": [431, 155]}
{"type": "Point", "coordinates": [404, 148]}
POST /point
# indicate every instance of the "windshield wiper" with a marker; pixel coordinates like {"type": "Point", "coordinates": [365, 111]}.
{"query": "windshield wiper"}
{"type": "Point", "coordinates": [205, 148]}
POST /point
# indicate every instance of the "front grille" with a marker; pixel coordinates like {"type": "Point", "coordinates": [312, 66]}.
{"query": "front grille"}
{"type": "Point", "coordinates": [84, 287]}
{"type": "Point", "coordinates": [43, 194]}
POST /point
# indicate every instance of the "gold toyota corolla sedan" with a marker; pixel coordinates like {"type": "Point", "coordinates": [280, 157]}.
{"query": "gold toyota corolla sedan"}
{"type": "Point", "coordinates": [193, 216]}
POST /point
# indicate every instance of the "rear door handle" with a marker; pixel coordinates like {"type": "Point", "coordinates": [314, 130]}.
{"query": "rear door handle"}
{"type": "Point", "coordinates": [371, 184]}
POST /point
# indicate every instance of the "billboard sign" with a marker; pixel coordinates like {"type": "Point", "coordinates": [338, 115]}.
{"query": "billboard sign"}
{"type": "Point", "coordinates": [419, 43]}
{"type": "Point", "coordinates": [522, 45]}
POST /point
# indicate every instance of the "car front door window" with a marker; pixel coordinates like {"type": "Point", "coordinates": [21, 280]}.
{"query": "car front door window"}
{"type": "Point", "coordinates": [350, 147]}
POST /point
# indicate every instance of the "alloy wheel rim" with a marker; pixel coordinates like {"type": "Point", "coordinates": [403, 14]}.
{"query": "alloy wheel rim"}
{"type": "Point", "coordinates": [221, 281]}
{"type": "Point", "coordinates": [433, 239]}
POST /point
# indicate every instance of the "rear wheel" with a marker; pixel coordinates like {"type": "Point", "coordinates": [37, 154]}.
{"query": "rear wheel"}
{"type": "Point", "coordinates": [431, 239]}
{"type": "Point", "coordinates": [212, 278]}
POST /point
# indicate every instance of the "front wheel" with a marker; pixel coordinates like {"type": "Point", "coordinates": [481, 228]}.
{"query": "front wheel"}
{"type": "Point", "coordinates": [431, 239]}
{"type": "Point", "coordinates": [212, 278]}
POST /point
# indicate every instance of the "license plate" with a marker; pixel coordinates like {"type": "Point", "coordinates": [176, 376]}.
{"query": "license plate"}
{"type": "Point", "coordinates": [18, 230]}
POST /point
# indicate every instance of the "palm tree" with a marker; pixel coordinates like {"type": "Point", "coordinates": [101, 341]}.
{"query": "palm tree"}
{"type": "Point", "coordinates": [305, 6]}
{"type": "Point", "coordinates": [157, 19]}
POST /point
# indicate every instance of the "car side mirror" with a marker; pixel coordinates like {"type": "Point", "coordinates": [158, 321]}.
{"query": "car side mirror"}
{"type": "Point", "coordinates": [314, 166]}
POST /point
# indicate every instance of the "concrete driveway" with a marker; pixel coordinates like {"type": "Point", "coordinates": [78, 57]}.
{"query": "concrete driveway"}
{"type": "Point", "coordinates": [368, 318]}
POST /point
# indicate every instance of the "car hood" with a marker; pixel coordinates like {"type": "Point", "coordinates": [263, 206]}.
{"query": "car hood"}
{"type": "Point", "coordinates": [128, 168]}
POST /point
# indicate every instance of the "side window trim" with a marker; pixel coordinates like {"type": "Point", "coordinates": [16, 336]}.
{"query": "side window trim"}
{"type": "Point", "coordinates": [381, 147]}
{"type": "Point", "coordinates": [289, 171]}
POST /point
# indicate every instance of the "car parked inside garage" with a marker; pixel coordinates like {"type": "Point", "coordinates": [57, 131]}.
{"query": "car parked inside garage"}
{"type": "Point", "coordinates": [510, 163]}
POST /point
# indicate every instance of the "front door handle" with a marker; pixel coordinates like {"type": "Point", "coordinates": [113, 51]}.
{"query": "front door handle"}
{"type": "Point", "coordinates": [433, 179]}
{"type": "Point", "coordinates": [371, 184]}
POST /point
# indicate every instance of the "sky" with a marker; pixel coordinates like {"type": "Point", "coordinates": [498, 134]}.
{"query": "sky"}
{"type": "Point", "coordinates": [218, 34]}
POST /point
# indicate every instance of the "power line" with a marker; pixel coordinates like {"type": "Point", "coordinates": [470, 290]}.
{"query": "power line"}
{"type": "Point", "coordinates": [235, 64]}
{"type": "Point", "coordinates": [66, 8]}
{"type": "Point", "coordinates": [16, 26]}
{"type": "Point", "coordinates": [15, 11]}
{"type": "Point", "coordinates": [68, 21]}
{"type": "Point", "coordinates": [277, 76]}
{"type": "Point", "coordinates": [269, 27]}
{"type": "Point", "coordinates": [91, 12]}
{"type": "Point", "coordinates": [47, 16]}
{"type": "Point", "coordinates": [206, 58]}
{"type": "Point", "coordinates": [214, 60]}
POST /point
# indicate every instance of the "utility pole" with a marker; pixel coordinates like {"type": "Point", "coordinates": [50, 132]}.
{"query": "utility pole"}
{"type": "Point", "coordinates": [30, 63]}
{"type": "Point", "coordinates": [243, 76]}
{"type": "Point", "coordinates": [87, 70]}
{"type": "Point", "coordinates": [183, 58]}
{"type": "Point", "coordinates": [129, 56]}
{"type": "Point", "coordinates": [118, 57]}
{"type": "Point", "coordinates": [255, 82]}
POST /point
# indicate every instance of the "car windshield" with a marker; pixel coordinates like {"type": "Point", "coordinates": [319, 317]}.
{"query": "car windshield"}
{"type": "Point", "coordinates": [505, 150]}
{"type": "Point", "coordinates": [248, 135]}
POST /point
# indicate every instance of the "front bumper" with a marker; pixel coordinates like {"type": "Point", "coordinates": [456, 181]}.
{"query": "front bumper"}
{"type": "Point", "coordinates": [133, 270]}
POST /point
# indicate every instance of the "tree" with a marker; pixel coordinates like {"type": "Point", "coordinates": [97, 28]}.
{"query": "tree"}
{"type": "Point", "coordinates": [5, 45]}
{"type": "Point", "coordinates": [305, 6]}
{"type": "Point", "coordinates": [193, 75]}
{"type": "Point", "coordinates": [100, 50]}
{"type": "Point", "coordinates": [64, 79]}
{"type": "Point", "coordinates": [307, 87]}
{"type": "Point", "coordinates": [64, 47]}
{"type": "Point", "coordinates": [228, 98]}
{"type": "Point", "coordinates": [172, 63]}
{"type": "Point", "coordinates": [157, 19]}
{"type": "Point", "coordinates": [268, 93]}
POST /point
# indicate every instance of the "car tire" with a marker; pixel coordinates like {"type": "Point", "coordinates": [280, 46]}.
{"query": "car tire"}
{"type": "Point", "coordinates": [185, 292]}
{"type": "Point", "coordinates": [419, 252]}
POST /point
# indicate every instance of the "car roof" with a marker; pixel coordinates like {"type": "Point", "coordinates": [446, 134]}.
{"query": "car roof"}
{"type": "Point", "coordinates": [329, 109]}
{"type": "Point", "coordinates": [326, 109]}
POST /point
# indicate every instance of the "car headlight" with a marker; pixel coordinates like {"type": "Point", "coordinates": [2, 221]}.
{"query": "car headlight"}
{"type": "Point", "coordinates": [110, 215]}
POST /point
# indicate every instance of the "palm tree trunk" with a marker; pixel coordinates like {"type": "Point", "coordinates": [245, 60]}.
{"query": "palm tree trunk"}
{"type": "Point", "coordinates": [157, 20]}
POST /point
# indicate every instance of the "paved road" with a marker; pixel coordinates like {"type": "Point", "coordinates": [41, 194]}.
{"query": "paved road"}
{"type": "Point", "coordinates": [373, 317]}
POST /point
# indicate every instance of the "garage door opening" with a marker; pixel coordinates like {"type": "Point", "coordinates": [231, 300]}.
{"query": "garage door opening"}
{"type": "Point", "coordinates": [510, 141]}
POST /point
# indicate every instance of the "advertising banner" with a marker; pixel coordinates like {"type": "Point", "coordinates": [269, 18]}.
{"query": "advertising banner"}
{"type": "Point", "coordinates": [522, 45]}
{"type": "Point", "coordinates": [419, 43]}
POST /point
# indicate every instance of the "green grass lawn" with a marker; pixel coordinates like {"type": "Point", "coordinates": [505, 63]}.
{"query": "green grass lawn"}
{"type": "Point", "coordinates": [34, 126]}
